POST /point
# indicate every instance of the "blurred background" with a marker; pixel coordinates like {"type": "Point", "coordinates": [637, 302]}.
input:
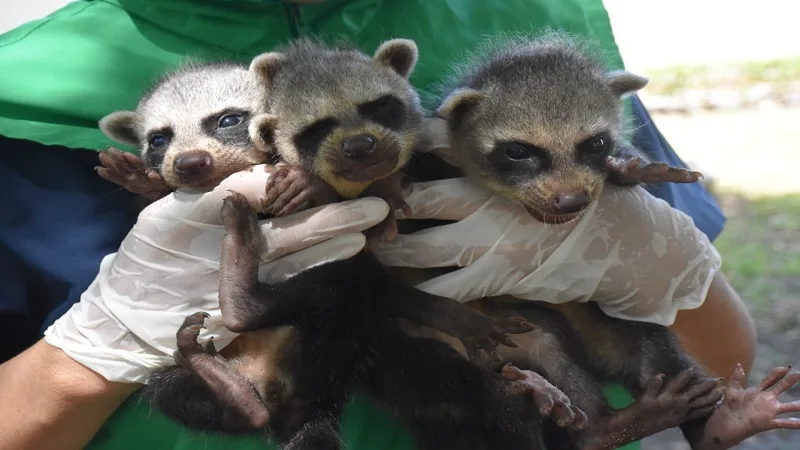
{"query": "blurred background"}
{"type": "Point", "coordinates": [725, 91]}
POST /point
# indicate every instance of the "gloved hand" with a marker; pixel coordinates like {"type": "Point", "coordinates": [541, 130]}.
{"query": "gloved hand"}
{"type": "Point", "coordinates": [632, 253]}
{"type": "Point", "coordinates": [168, 267]}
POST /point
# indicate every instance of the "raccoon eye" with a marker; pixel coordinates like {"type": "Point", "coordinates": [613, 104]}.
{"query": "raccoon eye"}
{"type": "Point", "coordinates": [518, 152]}
{"type": "Point", "coordinates": [157, 141]}
{"type": "Point", "coordinates": [314, 134]}
{"type": "Point", "coordinates": [386, 110]}
{"type": "Point", "coordinates": [595, 145]}
{"type": "Point", "coordinates": [230, 120]}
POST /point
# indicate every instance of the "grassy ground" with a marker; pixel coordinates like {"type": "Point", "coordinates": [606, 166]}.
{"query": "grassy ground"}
{"type": "Point", "coordinates": [761, 258]}
{"type": "Point", "coordinates": [760, 245]}
{"type": "Point", "coordinates": [672, 80]}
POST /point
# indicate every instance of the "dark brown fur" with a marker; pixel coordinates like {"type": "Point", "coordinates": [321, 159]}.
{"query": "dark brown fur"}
{"type": "Point", "coordinates": [345, 316]}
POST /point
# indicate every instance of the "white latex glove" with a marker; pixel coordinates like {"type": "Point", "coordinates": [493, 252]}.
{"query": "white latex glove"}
{"type": "Point", "coordinates": [632, 253]}
{"type": "Point", "coordinates": [168, 267]}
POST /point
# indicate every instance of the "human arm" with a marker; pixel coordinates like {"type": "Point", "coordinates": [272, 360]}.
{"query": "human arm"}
{"type": "Point", "coordinates": [50, 401]}
{"type": "Point", "coordinates": [720, 332]}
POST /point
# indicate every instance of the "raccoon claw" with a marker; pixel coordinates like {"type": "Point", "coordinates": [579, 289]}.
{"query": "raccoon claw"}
{"type": "Point", "coordinates": [238, 217]}
{"type": "Point", "coordinates": [211, 349]}
{"type": "Point", "coordinates": [187, 335]}
{"type": "Point", "coordinates": [630, 171]}
{"type": "Point", "coordinates": [480, 332]}
{"type": "Point", "coordinates": [549, 400]}
{"type": "Point", "coordinates": [746, 412]}
{"type": "Point", "coordinates": [127, 170]}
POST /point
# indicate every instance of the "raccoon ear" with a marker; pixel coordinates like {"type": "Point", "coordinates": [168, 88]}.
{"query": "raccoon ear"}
{"type": "Point", "coordinates": [623, 83]}
{"type": "Point", "coordinates": [399, 54]}
{"type": "Point", "coordinates": [267, 65]}
{"type": "Point", "coordinates": [262, 131]}
{"type": "Point", "coordinates": [119, 126]}
{"type": "Point", "coordinates": [457, 104]}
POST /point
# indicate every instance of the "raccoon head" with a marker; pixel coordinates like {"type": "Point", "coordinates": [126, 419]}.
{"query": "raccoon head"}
{"type": "Point", "coordinates": [536, 123]}
{"type": "Point", "coordinates": [347, 117]}
{"type": "Point", "coordinates": [192, 126]}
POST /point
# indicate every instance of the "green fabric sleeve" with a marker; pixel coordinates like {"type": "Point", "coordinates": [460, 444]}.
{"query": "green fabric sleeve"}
{"type": "Point", "coordinates": [93, 57]}
{"type": "Point", "coordinates": [136, 426]}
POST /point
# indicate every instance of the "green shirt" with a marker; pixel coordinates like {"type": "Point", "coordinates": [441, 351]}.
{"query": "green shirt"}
{"type": "Point", "coordinates": [64, 72]}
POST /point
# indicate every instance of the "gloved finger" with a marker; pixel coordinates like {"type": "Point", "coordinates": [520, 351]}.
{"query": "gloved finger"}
{"type": "Point", "coordinates": [303, 229]}
{"type": "Point", "coordinates": [189, 205]}
{"type": "Point", "coordinates": [451, 199]}
{"type": "Point", "coordinates": [442, 246]}
{"type": "Point", "coordinates": [486, 278]}
{"type": "Point", "coordinates": [335, 249]}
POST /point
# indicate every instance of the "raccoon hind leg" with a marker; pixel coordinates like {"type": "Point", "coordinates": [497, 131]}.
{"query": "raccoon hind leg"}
{"type": "Point", "coordinates": [184, 397]}
{"type": "Point", "coordinates": [227, 388]}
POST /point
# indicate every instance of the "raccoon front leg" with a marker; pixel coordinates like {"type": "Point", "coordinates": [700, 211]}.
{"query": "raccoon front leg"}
{"type": "Point", "coordinates": [235, 394]}
{"type": "Point", "coordinates": [128, 170]}
{"type": "Point", "coordinates": [290, 187]}
{"type": "Point", "coordinates": [630, 167]}
{"type": "Point", "coordinates": [246, 304]}
{"type": "Point", "coordinates": [669, 388]}
{"type": "Point", "coordinates": [747, 412]}
{"type": "Point", "coordinates": [389, 189]}
{"type": "Point", "coordinates": [663, 404]}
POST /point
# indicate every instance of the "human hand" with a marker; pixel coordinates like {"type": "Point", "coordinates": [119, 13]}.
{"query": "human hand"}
{"type": "Point", "coordinates": [639, 258]}
{"type": "Point", "coordinates": [167, 267]}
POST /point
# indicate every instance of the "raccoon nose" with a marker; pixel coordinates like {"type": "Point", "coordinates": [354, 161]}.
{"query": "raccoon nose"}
{"type": "Point", "coordinates": [359, 147]}
{"type": "Point", "coordinates": [571, 202]}
{"type": "Point", "coordinates": [193, 163]}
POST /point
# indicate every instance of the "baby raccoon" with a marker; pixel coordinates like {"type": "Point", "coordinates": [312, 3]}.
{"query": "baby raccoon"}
{"type": "Point", "coordinates": [338, 116]}
{"type": "Point", "coordinates": [540, 122]}
{"type": "Point", "coordinates": [343, 122]}
{"type": "Point", "coordinates": [192, 128]}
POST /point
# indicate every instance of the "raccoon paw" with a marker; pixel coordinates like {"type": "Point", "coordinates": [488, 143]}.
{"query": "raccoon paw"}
{"type": "Point", "coordinates": [631, 171]}
{"type": "Point", "coordinates": [390, 189]}
{"type": "Point", "coordinates": [666, 403]}
{"type": "Point", "coordinates": [290, 187]}
{"type": "Point", "coordinates": [479, 332]}
{"type": "Point", "coordinates": [127, 170]}
{"type": "Point", "coordinates": [549, 400]}
{"type": "Point", "coordinates": [386, 231]}
{"type": "Point", "coordinates": [187, 336]}
{"type": "Point", "coordinates": [239, 219]}
{"type": "Point", "coordinates": [745, 412]}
